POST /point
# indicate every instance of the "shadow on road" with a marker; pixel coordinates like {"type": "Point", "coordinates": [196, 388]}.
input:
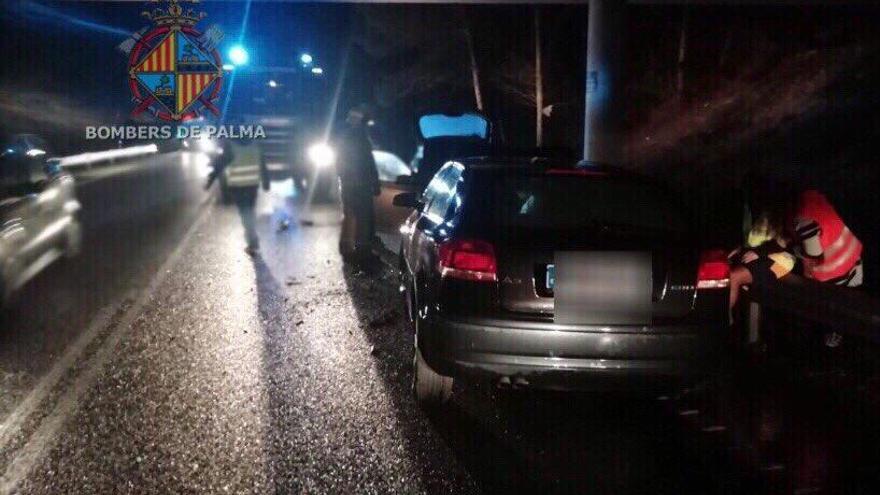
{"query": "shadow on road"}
{"type": "Point", "coordinates": [279, 442]}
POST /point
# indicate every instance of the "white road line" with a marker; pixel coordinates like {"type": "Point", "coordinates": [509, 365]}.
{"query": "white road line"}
{"type": "Point", "coordinates": [99, 156]}
{"type": "Point", "coordinates": [43, 438]}
{"type": "Point", "coordinates": [13, 423]}
{"type": "Point", "coordinates": [97, 174]}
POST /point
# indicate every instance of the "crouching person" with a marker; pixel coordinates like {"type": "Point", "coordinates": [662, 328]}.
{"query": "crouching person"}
{"type": "Point", "coordinates": [765, 256]}
{"type": "Point", "coordinates": [762, 260]}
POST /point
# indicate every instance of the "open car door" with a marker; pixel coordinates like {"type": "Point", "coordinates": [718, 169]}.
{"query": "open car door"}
{"type": "Point", "coordinates": [445, 136]}
{"type": "Point", "coordinates": [389, 217]}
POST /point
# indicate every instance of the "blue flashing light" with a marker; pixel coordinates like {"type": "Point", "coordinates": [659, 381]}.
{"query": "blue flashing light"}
{"type": "Point", "coordinates": [238, 55]}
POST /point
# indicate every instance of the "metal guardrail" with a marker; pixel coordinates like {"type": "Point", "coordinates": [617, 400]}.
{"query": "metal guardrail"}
{"type": "Point", "coordinates": [847, 311]}
{"type": "Point", "coordinates": [94, 157]}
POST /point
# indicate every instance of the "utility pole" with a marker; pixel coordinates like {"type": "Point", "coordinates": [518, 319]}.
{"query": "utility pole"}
{"type": "Point", "coordinates": [603, 107]}
{"type": "Point", "coordinates": [539, 83]}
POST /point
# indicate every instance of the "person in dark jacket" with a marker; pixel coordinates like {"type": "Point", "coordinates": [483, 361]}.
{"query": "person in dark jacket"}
{"type": "Point", "coordinates": [359, 181]}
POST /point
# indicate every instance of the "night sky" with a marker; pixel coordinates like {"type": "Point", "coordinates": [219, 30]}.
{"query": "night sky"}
{"type": "Point", "coordinates": [69, 47]}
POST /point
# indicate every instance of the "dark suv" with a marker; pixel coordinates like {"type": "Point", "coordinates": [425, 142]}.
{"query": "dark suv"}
{"type": "Point", "coordinates": [566, 278]}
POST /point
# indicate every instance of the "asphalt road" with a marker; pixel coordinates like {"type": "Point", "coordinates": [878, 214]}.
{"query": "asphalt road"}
{"type": "Point", "coordinates": [166, 360]}
{"type": "Point", "coordinates": [133, 215]}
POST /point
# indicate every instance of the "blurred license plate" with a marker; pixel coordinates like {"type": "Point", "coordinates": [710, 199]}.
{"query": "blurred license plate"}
{"type": "Point", "coordinates": [550, 279]}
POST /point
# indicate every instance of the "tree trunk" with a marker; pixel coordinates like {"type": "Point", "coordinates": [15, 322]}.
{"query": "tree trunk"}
{"type": "Point", "coordinates": [475, 73]}
{"type": "Point", "coordinates": [725, 48]}
{"type": "Point", "coordinates": [539, 84]}
{"type": "Point", "coordinates": [682, 51]}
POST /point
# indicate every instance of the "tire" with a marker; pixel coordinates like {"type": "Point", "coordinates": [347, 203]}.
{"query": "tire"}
{"type": "Point", "coordinates": [430, 388]}
{"type": "Point", "coordinates": [7, 276]}
{"type": "Point", "coordinates": [407, 292]}
{"type": "Point", "coordinates": [3, 295]}
{"type": "Point", "coordinates": [73, 240]}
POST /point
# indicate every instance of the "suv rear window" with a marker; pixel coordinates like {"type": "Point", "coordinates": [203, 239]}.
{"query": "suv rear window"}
{"type": "Point", "coordinates": [566, 202]}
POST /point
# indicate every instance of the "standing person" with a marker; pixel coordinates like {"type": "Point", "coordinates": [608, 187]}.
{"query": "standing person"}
{"type": "Point", "coordinates": [359, 181]}
{"type": "Point", "coordinates": [242, 169]}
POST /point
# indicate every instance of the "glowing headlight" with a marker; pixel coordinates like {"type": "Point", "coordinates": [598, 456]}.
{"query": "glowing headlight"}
{"type": "Point", "coordinates": [321, 154]}
{"type": "Point", "coordinates": [207, 145]}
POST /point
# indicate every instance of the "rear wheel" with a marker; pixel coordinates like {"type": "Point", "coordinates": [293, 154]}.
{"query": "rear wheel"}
{"type": "Point", "coordinates": [408, 292]}
{"type": "Point", "coordinates": [73, 240]}
{"type": "Point", "coordinates": [3, 295]}
{"type": "Point", "coordinates": [430, 388]}
{"type": "Point", "coordinates": [8, 276]}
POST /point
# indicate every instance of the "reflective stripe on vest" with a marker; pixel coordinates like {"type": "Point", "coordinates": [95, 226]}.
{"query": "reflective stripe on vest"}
{"type": "Point", "coordinates": [841, 249]}
{"type": "Point", "coordinates": [244, 169]}
{"type": "Point", "coordinates": [839, 258]}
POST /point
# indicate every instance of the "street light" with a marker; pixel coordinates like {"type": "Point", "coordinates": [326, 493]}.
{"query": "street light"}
{"type": "Point", "coordinates": [272, 83]}
{"type": "Point", "coordinates": [238, 55]}
{"type": "Point", "coordinates": [305, 58]}
{"type": "Point", "coordinates": [317, 71]}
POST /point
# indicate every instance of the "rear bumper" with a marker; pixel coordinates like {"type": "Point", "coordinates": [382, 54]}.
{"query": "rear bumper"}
{"type": "Point", "coordinates": [546, 355]}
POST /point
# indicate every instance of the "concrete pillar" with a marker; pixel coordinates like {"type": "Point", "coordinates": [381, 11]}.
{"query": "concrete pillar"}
{"type": "Point", "coordinates": [603, 109]}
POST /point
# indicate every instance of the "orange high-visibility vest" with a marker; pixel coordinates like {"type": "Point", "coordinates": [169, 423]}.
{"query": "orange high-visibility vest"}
{"type": "Point", "coordinates": [841, 249]}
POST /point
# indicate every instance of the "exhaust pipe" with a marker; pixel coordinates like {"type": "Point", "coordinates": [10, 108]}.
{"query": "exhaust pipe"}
{"type": "Point", "coordinates": [515, 383]}
{"type": "Point", "coordinates": [520, 383]}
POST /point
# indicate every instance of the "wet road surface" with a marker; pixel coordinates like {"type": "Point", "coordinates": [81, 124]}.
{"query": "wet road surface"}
{"type": "Point", "coordinates": [132, 218]}
{"type": "Point", "coordinates": [287, 372]}
{"type": "Point", "coordinates": [166, 360]}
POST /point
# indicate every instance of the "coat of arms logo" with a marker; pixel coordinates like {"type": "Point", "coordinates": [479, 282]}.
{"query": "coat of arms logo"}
{"type": "Point", "coordinates": [175, 71]}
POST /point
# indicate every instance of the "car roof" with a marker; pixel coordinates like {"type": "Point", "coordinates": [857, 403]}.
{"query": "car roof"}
{"type": "Point", "coordinates": [527, 164]}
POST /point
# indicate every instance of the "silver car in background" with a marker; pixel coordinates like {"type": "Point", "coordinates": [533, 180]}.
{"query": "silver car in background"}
{"type": "Point", "coordinates": [38, 212]}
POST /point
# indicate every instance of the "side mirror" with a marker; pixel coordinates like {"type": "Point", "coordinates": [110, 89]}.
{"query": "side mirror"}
{"type": "Point", "coordinates": [39, 186]}
{"type": "Point", "coordinates": [52, 167]}
{"type": "Point", "coordinates": [407, 200]}
{"type": "Point", "coordinates": [405, 180]}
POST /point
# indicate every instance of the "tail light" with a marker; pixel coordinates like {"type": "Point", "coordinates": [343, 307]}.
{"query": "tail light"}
{"type": "Point", "coordinates": [468, 260]}
{"type": "Point", "coordinates": [714, 272]}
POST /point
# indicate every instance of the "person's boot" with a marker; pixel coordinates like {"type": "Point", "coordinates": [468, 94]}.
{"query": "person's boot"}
{"type": "Point", "coordinates": [347, 253]}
